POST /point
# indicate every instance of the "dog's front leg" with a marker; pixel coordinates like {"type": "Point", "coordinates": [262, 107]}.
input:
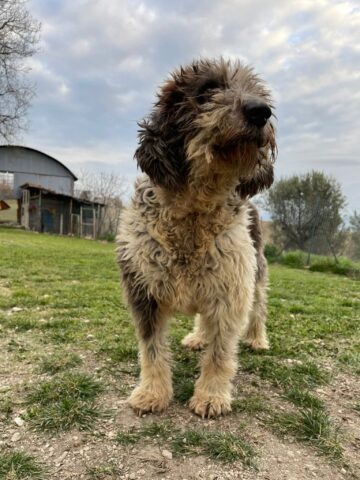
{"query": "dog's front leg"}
{"type": "Point", "coordinates": [212, 396]}
{"type": "Point", "coordinates": [155, 389]}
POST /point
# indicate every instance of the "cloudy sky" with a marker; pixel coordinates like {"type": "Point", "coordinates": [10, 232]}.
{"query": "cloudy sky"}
{"type": "Point", "coordinates": [100, 62]}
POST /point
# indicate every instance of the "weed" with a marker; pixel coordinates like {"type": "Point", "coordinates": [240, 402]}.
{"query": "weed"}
{"type": "Point", "coordinates": [64, 415]}
{"type": "Point", "coordinates": [64, 402]}
{"type": "Point", "coordinates": [77, 386]}
{"type": "Point", "coordinates": [303, 398]}
{"type": "Point", "coordinates": [102, 472]}
{"type": "Point", "coordinates": [129, 437]}
{"type": "Point", "coordinates": [226, 447]}
{"type": "Point", "coordinates": [20, 465]}
{"type": "Point", "coordinates": [188, 442]}
{"type": "Point", "coordinates": [313, 426]}
{"type": "Point", "coordinates": [161, 430]}
{"type": "Point", "coordinates": [6, 406]}
{"type": "Point", "coordinates": [250, 404]}
{"type": "Point", "coordinates": [58, 362]}
{"type": "Point", "coordinates": [229, 448]}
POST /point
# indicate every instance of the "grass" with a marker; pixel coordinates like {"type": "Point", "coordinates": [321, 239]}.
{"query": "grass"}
{"type": "Point", "coordinates": [250, 404]}
{"type": "Point", "coordinates": [311, 425]}
{"type": "Point", "coordinates": [304, 398]}
{"type": "Point", "coordinates": [156, 430]}
{"type": "Point", "coordinates": [318, 263]}
{"type": "Point", "coordinates": [102, 472]}
{"type": "Point", "coordinates": [64, 402]}
{"type": "Point", "coordinates": [223, 446]}
{"type": "Point", "coordinates": [20, 466]}
{"type": "Point", "coordinates": [59, 362]}
{"type": "Point", "coordinates": [6, 406]}
{"type": "Point", "coordinates": [62, 295]}
{"type": "Point", "coordinates": [217, 445]}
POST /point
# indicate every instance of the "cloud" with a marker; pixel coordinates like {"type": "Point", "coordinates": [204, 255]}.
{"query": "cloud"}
{"type": "Point", "coordinates": [102, 60]}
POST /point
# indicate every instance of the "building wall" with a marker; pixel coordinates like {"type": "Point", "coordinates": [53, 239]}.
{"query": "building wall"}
{"type": "Point", "coordinates": [31, 166]}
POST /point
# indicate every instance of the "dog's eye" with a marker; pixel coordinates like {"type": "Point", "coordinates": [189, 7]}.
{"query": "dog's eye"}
{"type": "Point", "coordinates": [206, 90]}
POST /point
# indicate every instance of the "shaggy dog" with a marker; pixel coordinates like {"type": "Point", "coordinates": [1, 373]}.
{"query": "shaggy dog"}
{"type": "Point", "coordinates": [190, 241]}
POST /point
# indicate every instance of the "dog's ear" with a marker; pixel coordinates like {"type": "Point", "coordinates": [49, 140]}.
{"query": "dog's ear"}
{"type": "Point", "coordinates": [161, 151]}
{"type": "Point", "coordinates": [262, 180]}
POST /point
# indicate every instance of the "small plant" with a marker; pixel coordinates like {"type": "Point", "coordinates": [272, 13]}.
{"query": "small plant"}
{"type": "Point", "coordinates": [250, 404]}
{"type": "Point", "coordinates": [6, 407]}
{"type": "Point", "coordinates": [303, 398]}
{"type": "Point", "coordinates": [313, 426]}
{"type": "Point", "coordinates": [272, 252]}
{"type": "Point", "coordinates": [64, 402]}
{"type": "Point", "coordinates": [226, 447]}
{"type": "Point", "coordinates": [229, 448]}
{"type": "Point", "coordinates": [77, 386]}
{"type": "Point", "coordinates": [123, 350]}
{"type": "Point", "coordinates": [129, 437]}
{"type": "Point", "coordinates": [159, 430]}
{"type": "Point", "coordinates": [188, 442]}
{"type": "Point", "coordinates": [185, 369]}
{"type": "Point", "coordinates": [64, 415]}
{"type": "Point", "coordinates": [102, 472]}
{"type": "Point", "coordinates": [20, 465]}
{"type": "Point", "coordinates": [58, 362]}
{"type": "Point", "coordinates": [296, 259]}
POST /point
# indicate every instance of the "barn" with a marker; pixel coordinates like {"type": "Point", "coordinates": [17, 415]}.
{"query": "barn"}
{"type": "Point", "coordinates": [44, 188]}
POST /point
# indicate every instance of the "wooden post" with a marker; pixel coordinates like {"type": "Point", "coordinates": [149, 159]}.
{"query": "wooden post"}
{"type": "Point", "coordinates": [81, 221]}
{"type": "Point", "coordinates": [61, 224]}
{"type": "Point", "coordinates": [70, 228]}
{"type": "Point", "coordinates": [40, 215]}
{"type": "Point", "coordinates": [94, 224]}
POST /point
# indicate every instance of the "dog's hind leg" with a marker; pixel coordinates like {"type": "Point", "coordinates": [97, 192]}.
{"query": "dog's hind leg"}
{"type": "Point", "coordinates": [196, 340]}
{"type": "Point", "coordinates": [255, 334]}
{"type": "Point", "coordinates": [154, 392]}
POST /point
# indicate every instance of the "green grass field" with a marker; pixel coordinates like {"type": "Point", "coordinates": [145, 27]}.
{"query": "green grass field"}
{"type": "Point", "coordinates": [68, 360]}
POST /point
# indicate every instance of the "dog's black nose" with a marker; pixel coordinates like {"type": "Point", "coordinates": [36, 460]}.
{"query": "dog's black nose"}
{"type": "Point", "coordinates": [257, 112]}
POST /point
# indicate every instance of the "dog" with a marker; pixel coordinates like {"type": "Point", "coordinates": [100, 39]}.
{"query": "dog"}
{"type": "Point", "coordinates": [190, 241]}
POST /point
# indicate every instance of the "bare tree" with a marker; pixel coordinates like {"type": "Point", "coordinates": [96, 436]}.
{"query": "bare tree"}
{"type": "Point", "coordinates": [106, 188]}
{"type": "Point", "coordinates": [19, 34]}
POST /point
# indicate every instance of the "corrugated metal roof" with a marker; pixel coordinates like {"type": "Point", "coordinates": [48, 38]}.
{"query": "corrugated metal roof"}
{"type": "Point", "coordinates": [52, 192]}
{"type": "Point", "coordinates": [42, 153]}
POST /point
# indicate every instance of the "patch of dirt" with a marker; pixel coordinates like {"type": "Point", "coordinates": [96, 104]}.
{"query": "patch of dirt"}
{"type": "Point", "coordinates": [70, 456]}
{"type": "Point", "coordinates": [340, 398]}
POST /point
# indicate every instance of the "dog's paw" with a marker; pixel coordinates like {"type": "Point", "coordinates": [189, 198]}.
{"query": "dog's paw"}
{"type": "Point", "coordinates": [257, 343]}
{"type": "Point", "coordinates": [143, 400]}
{"type": "Point", "coordinates": [193, 341]}
{"type": "Point", "coordinates": [208, 405]}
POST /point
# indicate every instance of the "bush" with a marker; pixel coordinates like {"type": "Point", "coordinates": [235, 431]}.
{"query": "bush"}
{"type": "Point", "coordinates": [343, 267]}
{"type": "Point", "coordinates": [272, 252]}
{"type": "Point", "coordinates": [296, 259]}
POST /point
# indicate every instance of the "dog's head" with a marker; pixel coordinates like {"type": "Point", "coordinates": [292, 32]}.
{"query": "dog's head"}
{"type": "Point", "coordinates": [210, 117]}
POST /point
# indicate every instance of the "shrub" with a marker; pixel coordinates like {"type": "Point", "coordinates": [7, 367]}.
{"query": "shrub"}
{"type": "Point", "coordinates": [272, 252]}
{"type": "Point", "coordinates": [296, 259]}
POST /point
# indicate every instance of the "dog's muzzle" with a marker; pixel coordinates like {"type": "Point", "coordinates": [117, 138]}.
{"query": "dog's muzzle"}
{"type": "Point", "coordinates": [256, 112]}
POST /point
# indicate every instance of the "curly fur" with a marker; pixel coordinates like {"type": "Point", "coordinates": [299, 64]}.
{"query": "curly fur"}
{"type": "Point", "coordinates": [191, 241]}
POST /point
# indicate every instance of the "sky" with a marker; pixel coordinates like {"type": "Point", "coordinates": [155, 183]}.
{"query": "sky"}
{"type": "Point", "coordinates": [100, 62]}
